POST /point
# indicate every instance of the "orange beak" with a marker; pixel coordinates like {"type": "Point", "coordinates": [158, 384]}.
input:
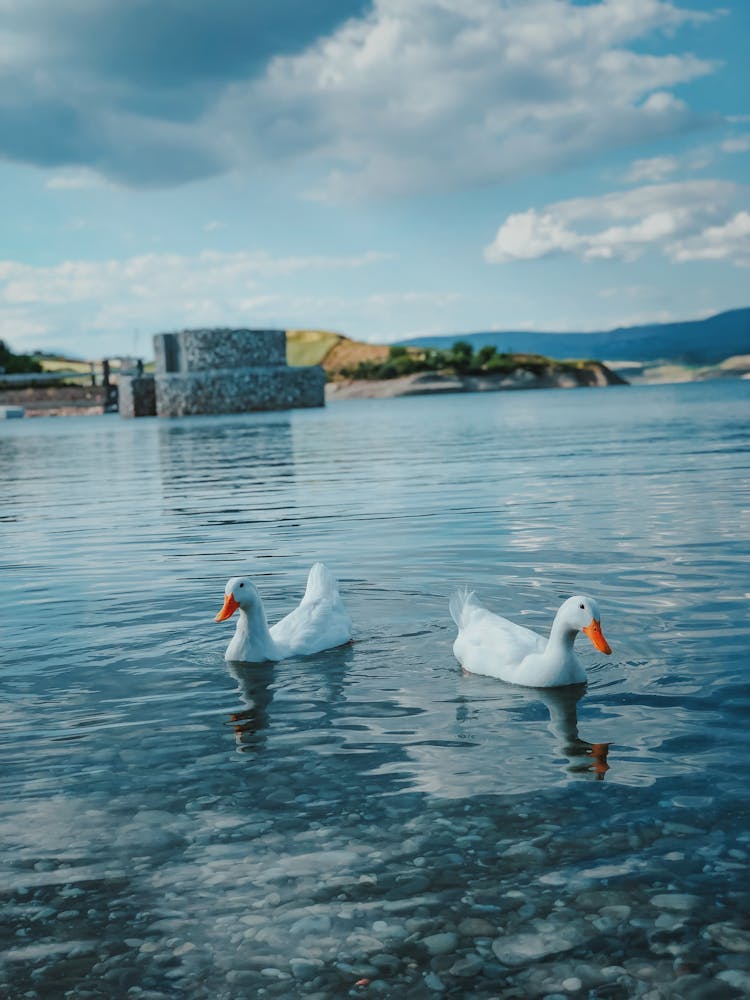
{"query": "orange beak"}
{"type": "Point", "coordinates": [594, 632]}
{"type": "Point", "coordinates": [230, 606]}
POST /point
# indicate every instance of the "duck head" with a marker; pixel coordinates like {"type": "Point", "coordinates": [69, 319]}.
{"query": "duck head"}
{"type": "Point", "coordinates": [582, 614]}
{"type": "Point", "coordinates": [238, 593]}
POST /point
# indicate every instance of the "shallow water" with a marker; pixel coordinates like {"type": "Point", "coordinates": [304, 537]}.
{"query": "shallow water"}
{"type": "Point", "coordinates": [174, 826]}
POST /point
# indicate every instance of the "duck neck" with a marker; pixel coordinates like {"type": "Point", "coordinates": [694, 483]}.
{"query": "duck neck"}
{"type": "Point", "coordinates": [252, 637]}
{"type": "Point", "coordinates": [561, 638]}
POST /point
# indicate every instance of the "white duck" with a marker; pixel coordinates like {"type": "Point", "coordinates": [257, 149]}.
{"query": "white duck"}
{"type": "Point", "coordinates": [490, 645]}
{"type": "Point", "coordinates": [319, 622]}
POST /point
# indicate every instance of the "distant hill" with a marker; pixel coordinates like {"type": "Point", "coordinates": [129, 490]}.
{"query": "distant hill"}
{"type": "Point", "coordinates": [703, 341]}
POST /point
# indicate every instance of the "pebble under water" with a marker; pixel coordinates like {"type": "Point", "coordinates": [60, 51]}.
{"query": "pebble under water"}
{"type": "Point", "coordinates": [369, 821]}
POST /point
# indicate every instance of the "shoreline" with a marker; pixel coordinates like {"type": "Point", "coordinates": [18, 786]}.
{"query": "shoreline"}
{"type": "Point", "coordinates": [57, 401]}
{"type": "Point", "coordinates": [74, 400]}
{"type": "Point", "coordinates": [594, 375]}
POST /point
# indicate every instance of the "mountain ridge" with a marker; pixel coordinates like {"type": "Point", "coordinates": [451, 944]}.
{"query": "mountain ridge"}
{"type": "Point", "coordinates": [701, 341]}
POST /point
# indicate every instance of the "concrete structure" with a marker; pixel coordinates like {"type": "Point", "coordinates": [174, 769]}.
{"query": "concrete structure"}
{"type": "Point", "coordinates": [222, 371]}
{"type": "Point", "coordinates": [136, 395]}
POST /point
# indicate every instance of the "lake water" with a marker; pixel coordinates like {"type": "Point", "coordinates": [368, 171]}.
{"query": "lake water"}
{"type": "Point", "coordinates": [174, 826]}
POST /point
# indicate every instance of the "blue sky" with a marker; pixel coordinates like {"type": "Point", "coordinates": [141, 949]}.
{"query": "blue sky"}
{"type": "Point", "coordinates": [385, 169]}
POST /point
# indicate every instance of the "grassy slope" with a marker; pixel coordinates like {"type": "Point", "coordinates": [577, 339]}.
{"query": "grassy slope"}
{"type": "Point", "coordinates": [309, 347]}
{"type": "Point", "coordinates": [63, 365]}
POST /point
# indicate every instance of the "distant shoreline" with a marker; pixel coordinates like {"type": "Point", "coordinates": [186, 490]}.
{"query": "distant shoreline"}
{"type": "Point", "coordinates": [71, 400]}
{"type": "Point", "coordinates": [594, 375]}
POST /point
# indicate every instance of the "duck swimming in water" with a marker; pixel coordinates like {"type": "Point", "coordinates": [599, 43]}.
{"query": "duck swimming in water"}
{"type": "Point", "coordinates": [320, 621]}
{"type": "Point", "coordinates": [496, 647]}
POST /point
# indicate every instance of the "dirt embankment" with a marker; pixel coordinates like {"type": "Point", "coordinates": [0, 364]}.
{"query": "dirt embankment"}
{"type": "Point", "coordinates": [56, 400]}
{"type": "Point", "coordinates": [347, 354]}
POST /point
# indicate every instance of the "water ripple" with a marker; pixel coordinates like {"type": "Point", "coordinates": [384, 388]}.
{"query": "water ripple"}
{"type": "Point", "coordinates": [220, 830]}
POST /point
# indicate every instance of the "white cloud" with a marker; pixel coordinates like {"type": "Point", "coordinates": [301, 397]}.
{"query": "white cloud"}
{"type": "Point", "coordinates": [528, 235]}
{"type": "Point", "coordinates": [77, 179]}
{"type": "Point", "coordinates": [661, 102]}
{"type": "Point", "coordinates": [436, 94]}
{"type": "Point", "coordinates": [391, 300]}
{"type": "Point", "coordinates": [407, 97]}
{"type": "Point", "coordinates": [689, 220]}
{"type": "Point", "coordinates": [17, 328]}
{"type": "Point", "coordinates": [737, 144]}
{"type": "Point", "coordinates": [107, 300]}
{"type": "Point", "coordinates": [629, 291]}
{"type": "Point", "coordinates": [652, 170]}
{"type": "Point", "coordinates": [155, 276]}
{"type": "Point", "coordinates": [730, 241]}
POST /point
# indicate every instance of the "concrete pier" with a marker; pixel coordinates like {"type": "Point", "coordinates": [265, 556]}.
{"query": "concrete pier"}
{"type": "Point", "coordinates": [221, 371]}
{"type": "Point", "coordinates": [136, 396]}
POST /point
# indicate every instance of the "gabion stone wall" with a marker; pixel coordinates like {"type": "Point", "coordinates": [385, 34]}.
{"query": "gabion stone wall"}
{"type": "Point", "coordinates": [230, 371]}
{"type": "Point", "coordinates": [239, 390]}
{"type": "Point", "coordinates": [202, 350]}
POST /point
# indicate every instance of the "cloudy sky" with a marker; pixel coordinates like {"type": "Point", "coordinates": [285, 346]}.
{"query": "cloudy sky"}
{"type": "Point", "coordinates": [383, 168]}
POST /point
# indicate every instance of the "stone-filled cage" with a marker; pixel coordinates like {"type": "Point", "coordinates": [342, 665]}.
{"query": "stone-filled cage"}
{"type": "Point", "coordinates": [230, 371]}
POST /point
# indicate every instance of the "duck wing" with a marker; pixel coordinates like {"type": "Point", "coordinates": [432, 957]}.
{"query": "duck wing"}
{"type": "Point", "coordinates": [487, 643]}
{"type": "Point", "coordinates": [320, 621]}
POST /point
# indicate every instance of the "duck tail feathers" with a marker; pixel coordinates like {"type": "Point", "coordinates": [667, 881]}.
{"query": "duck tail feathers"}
{"type": "Point", "coordinates": [321, 582]}
{"type": "Point", "coordinates": [460, 601]}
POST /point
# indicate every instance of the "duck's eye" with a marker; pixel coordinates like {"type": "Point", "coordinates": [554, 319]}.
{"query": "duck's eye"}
{"type": "Point", "coordinates": [581, 606]}
{"type": "Point", "coordinates": [242, 585]}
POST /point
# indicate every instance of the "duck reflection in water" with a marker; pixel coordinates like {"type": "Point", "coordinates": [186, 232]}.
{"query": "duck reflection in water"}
{"type": "Point", "coordinates": [562, 705]}
{"type": "Point", "coordinates": [255, 685]}
{"type": "Point", "coordinates": [258, 682]}
{"type": "Point", "coordinates": [584, 758]}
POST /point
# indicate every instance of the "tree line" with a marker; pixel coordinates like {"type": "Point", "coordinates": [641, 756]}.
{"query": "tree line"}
{"type": "Point", "coordinates": [460, 359]}
{"type": "Point", "coordinates": [17, 364]}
